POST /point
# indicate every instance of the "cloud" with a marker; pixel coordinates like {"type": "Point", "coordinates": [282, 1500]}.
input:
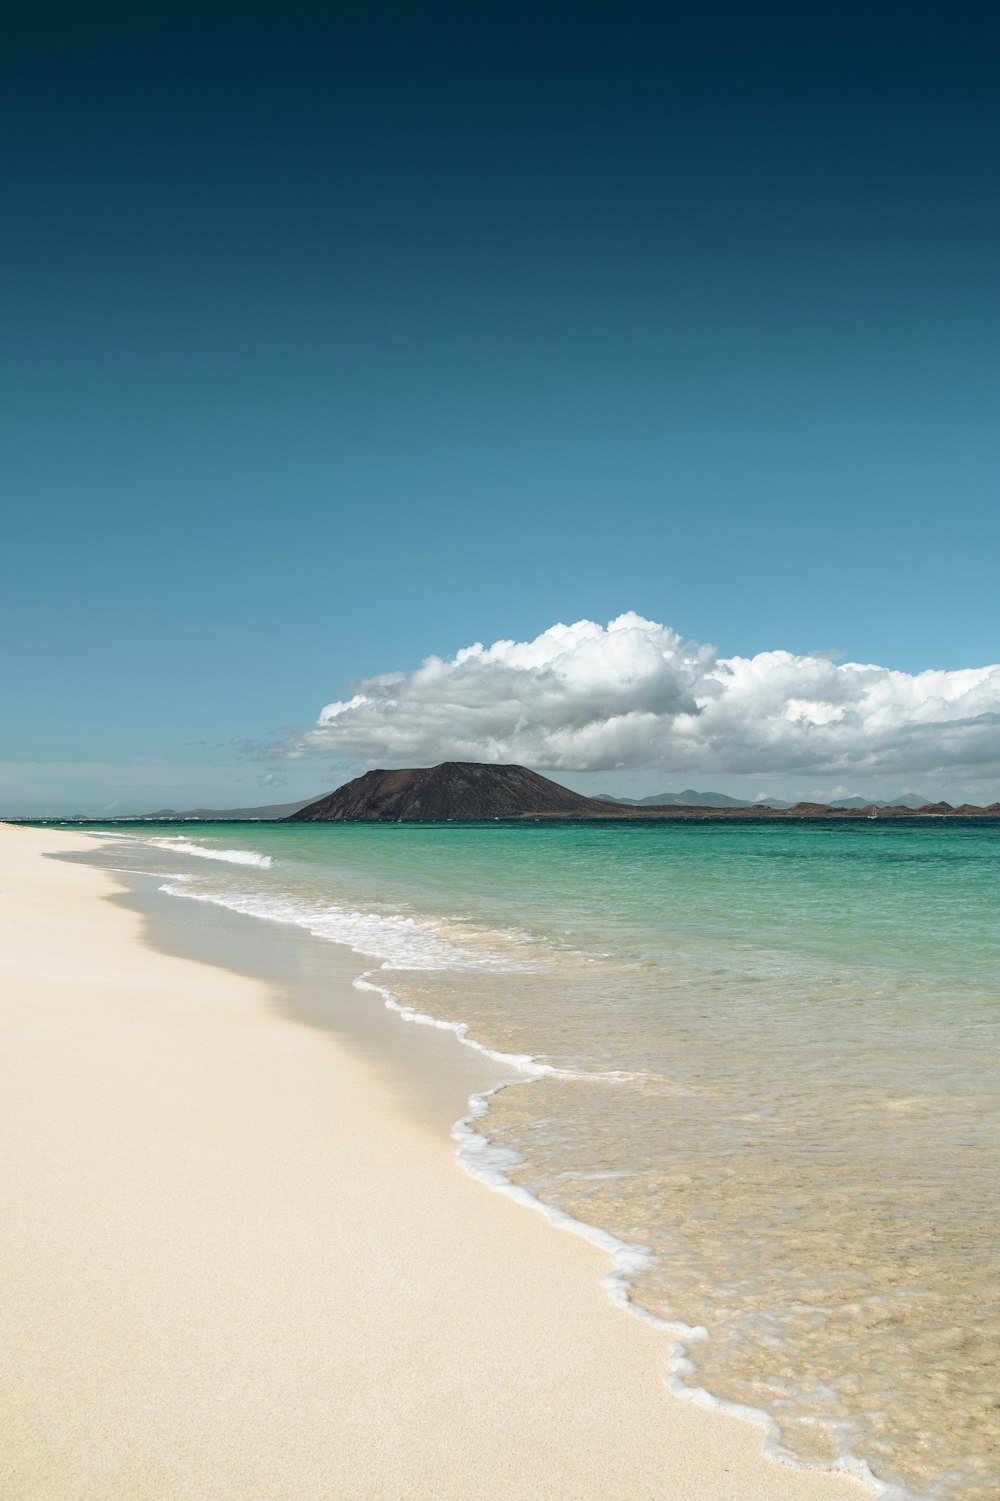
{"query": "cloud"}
{"type": "Point", "coordinates": [635, 694]}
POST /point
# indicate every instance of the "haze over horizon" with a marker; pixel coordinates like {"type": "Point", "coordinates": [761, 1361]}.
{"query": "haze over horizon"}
{"type": "Point", "coordinates": [345, 338]}
{"type": "Point", "coordinates": [615, 707]}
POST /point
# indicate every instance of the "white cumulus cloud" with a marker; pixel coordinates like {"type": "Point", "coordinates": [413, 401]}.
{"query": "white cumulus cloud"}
{"type": "Point", "coordinates": [634, 694]}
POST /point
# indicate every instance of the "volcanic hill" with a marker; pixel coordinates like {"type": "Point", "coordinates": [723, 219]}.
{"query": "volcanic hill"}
{"type": "Point", "coordinates": [453, 790]}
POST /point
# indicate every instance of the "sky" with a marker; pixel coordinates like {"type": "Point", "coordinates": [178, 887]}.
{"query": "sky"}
{"type": "Point", "coordinates": [338, 338]}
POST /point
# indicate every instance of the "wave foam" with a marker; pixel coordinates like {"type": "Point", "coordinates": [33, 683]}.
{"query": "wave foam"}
{"type": "Point", "coordinates": [489, 1163]}
{"type": "Point", "coordinates": [523, 1062]}
{"type": "Point", "coordinates": [400, 942]}
{"type": "Point", "coordinates": [231, 857]}
{"type": "Point", "coordinates": [181, 846]}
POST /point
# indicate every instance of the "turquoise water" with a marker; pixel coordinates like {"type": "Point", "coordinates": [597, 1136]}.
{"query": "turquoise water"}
{"type": "Point", "coordinates": [774, 1061]}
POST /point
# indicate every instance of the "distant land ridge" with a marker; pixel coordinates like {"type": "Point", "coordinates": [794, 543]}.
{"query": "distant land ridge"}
{"type": "Point", "coordinates": [689, 798]}
{"type": "Point", "coordinates": [268, 813]}
{"type": "Point", "coordinates": [472, 790]}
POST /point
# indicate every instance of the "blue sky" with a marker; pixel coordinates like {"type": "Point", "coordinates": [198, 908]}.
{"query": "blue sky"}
{"type": "Point", "coordinates": [344, 336]}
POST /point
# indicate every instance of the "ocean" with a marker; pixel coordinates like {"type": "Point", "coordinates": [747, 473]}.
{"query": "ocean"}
{"type": "Point", "coordinates": [761, 1057]}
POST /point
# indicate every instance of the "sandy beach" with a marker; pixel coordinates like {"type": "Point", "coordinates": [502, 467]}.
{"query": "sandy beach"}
{"type": "Point", "coordinates": [236, 1264]}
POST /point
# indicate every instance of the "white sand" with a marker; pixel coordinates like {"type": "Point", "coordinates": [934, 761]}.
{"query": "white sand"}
{"type": "Point", "coordinates": [232, 1265]}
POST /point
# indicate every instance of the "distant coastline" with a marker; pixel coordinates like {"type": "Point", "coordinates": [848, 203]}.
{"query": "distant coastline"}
{"type": "Point", "coordinates": [613, 813]}
{"type": "Point", "coordinates": [470, 792]}
{"type": "Point", "coordinates": [763, 814]}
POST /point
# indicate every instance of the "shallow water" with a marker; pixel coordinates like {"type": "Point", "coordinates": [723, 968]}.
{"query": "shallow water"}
{"type": "Point", "coordinates": [775, 1052]}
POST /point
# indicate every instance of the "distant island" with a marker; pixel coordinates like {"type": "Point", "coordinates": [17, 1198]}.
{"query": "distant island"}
{"type": "Point", "coordinates": [467, 790]}
{"type": "Point", "coordinates": [471, 791]}
{"type": "Point", "coordinates": [689, 798]}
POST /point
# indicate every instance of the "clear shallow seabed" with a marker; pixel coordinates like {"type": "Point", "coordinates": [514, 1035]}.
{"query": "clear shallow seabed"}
{"type": "Point", "coordinates": [773, 1054]}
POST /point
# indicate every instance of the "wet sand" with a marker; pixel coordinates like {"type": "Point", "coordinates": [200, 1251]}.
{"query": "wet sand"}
{"type": "Point", "coordinates": [238, 1262]}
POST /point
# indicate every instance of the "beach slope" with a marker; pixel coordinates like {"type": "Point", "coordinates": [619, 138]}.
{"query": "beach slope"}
{"type": "Point", "coordinates": [235, 1266]}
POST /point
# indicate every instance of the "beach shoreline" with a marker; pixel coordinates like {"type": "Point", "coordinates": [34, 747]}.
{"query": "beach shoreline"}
{"type": "Point", "coordinates": [239, 1263]}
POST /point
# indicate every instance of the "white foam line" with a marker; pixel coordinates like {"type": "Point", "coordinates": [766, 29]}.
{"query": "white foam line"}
{"type": "Point", "coordinates": [521, 1061]}
{"type": "Point", "coordinates": [399, 942]}
{"type": "Point", "coordinates": [181, 846]}
{"type": "Point", "coordinates": [231, 857]}
{"type": "Point", "coordinates": [486, 1162]}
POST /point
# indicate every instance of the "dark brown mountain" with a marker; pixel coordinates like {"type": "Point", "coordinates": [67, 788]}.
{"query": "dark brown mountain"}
{"type": "Point", "coordinates": [453, 790]}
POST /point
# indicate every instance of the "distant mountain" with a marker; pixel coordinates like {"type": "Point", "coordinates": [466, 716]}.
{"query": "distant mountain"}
{"type": "Point", "coordinates": [911, 800]}
{"type": "Point", "coordinates": [236, 815]}
{"type": "Point", "coordinates": [454, 790]}
{"type": "Point", "coordinates": [686, 799]}
{"type": "Point", "coordinates": [689, 798]}
{"type": "Point", "coordinates": [194, 815]}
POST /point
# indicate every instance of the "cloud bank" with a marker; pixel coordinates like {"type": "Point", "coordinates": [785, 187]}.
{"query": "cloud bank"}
{"type": "Point", "coordinates": [634, 694]}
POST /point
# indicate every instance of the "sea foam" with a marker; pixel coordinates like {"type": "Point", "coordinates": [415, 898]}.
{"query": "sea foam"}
{"type": "Point", "coordinates": [399, 942]}
{"type": "Point", "coordinates": [490, 1163]}
{"type": "Point", "coordinates": [181, 846]}
{"type": "Point", "coordinates": [230, 857]}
